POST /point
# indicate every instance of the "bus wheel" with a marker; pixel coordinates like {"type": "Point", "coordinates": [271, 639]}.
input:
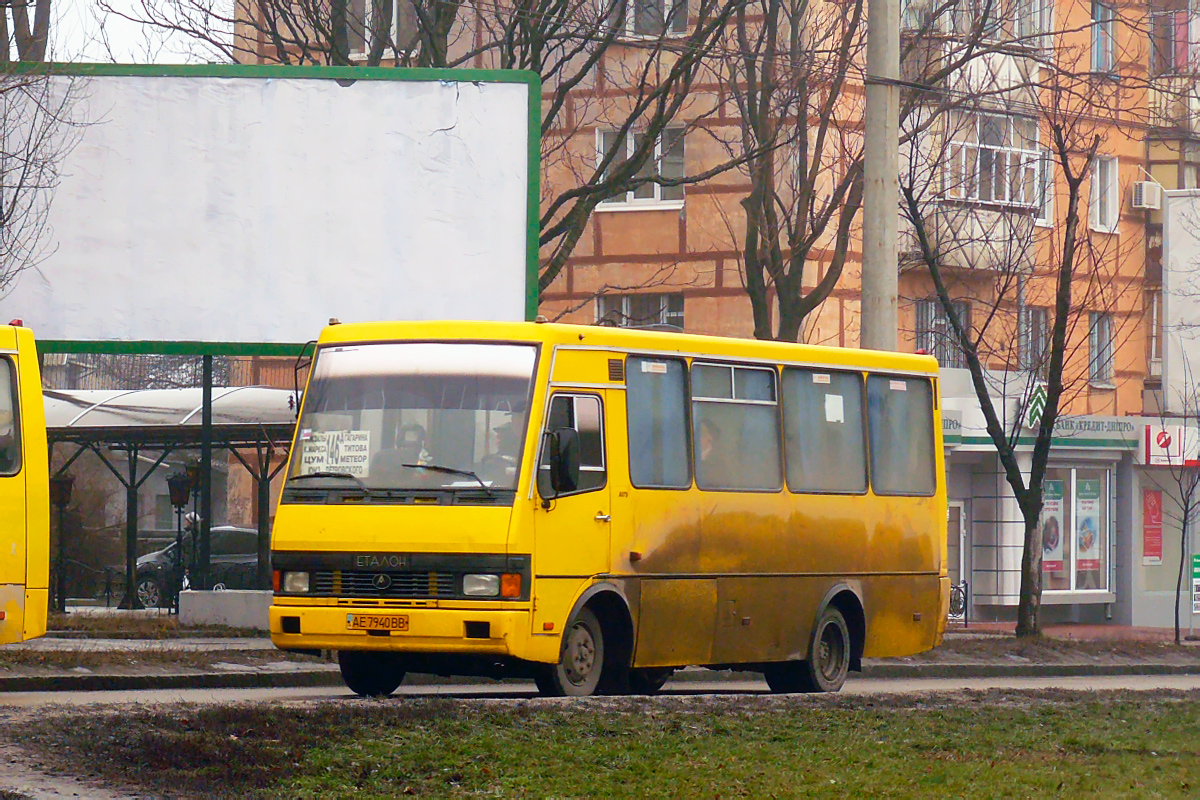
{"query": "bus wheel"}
{"type": "Point", "coordinates": [580, 662]}
{"type": "Point", "coordinates": [369, 674]}
{"type": "Point", "coordinates": [648, 681]}
{"type": "Point", "coordinates": [828, 659]}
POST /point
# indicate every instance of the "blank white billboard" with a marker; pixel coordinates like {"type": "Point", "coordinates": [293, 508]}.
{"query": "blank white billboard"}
{"type": "Point", "coordinates": [1181, 302]}
{"type": "Point", "coordinates": [251, 205]}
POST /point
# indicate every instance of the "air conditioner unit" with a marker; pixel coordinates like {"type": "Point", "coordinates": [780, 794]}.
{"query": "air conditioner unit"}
{"type": "Point", "coordinates": [1147, 195]}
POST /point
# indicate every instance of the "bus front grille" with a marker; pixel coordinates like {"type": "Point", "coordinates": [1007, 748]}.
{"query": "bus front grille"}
{"type": "Point", "coordinates": [408, 585]}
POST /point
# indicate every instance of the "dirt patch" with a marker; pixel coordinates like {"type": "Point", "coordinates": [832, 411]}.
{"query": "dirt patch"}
{"type": "Point", "coordinates": [439, 746]}
{"type": "Point", "coordinates": [131, 625]}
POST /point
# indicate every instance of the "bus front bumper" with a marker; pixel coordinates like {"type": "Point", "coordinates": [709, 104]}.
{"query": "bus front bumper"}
{"type": "Point", "coordinates": [450, 631]}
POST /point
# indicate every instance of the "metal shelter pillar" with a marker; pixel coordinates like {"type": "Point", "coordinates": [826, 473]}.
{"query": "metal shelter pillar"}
{"type": "Point", "coordinates": [131, 483]}
{"type": "Point", "coordinates": [206, 440]}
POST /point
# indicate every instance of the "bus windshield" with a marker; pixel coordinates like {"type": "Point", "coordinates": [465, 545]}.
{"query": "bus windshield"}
{"type": "Point", "coordinates": [417, 415]}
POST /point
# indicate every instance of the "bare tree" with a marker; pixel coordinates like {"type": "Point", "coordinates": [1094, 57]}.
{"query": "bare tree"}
{"type": "Point", "coordinates": [627, 69]}
{"type": "Point", "coordinates": [1181, 481]}
{"type": "Point", "coordinates": [793, 76]}
{"type": "Point", "coordinates": [36, 132]}
{"type": "Point", "coordinates": [27, 33]}
{"type": "Point", "coordinates": [973, 190]}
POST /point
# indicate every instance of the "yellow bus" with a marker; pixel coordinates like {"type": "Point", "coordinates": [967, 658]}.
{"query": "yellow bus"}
{"type": "Point", "coordinates": [24, 490]}
{"type": "Point", "coordinates": [696, 500]}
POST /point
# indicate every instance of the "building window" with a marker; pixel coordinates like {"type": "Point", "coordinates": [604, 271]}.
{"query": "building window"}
{"type": "Point", "coordinates": [1075, 529]}
{"type": "Point", "coordinates": [935, 335]}
{"type": "Point", "coordinates": [1104, 50]}
{"type": "Point", "coordinates": [651, 17]}
{"type": "Point", "coordinates": [1103, 200]}
{"type": "Point", "coordinates": [1154, 303]}
{"type": "Point", "coordinates": [1170, 42]}
{"type": "Point", "coordinates": [994, 158]}
{"type": "Point", "coordinates": [1034, 340]}
{"type": "Point", "coordinates": [665, 162]}
{"type": "Point", "coordinates": [360, 22]}
{"type": "Point", "coordinates": [1021, 21]}
{"type": "Point", "coordinates": [640, 310]}
{"type": "Point", "coordinates": [1100, 349]}
{"type": "Point", "coordinates": [1045, 208]}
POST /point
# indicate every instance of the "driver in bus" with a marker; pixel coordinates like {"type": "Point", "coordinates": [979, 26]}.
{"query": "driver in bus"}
{"type": "Point", "coordinates": [499, 467]}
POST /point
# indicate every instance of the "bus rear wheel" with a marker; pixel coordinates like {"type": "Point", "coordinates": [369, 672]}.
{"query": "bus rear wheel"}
{"type": "Point", "coordinates": [370, 674]}
{"type": "Point", "coordinates": [581, 660]}
{"type": "Point", "coordinates": [828, 659]}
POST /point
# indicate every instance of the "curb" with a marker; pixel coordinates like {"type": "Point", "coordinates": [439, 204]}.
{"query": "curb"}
{"type": "Point", "coordinates": [203, 680]}
{"type": "Point", "coordinates": [1022, 670]}
{"type": "Point", "coordinates": [333, 678]}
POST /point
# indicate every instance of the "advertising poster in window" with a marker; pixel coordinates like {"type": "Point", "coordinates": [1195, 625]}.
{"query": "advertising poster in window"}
{"type": "Point", "coordinates": [343, 452]}
{"type": "Point", "coordinates": [1152, 530]}
{"type": "Point", "coordinates": [1087, 527]}
{"type": "Point", "coordinates": [1052, 526]}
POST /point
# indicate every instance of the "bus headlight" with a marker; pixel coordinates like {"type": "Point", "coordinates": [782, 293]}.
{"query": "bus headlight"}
{"type": "Point", "coordinates": [295, 582]}
{"type": "Point", "coordinates": [481, 585]}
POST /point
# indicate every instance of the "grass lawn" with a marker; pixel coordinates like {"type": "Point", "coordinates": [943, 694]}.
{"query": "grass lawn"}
{"type": "Point", "coordinates": [989, 744]}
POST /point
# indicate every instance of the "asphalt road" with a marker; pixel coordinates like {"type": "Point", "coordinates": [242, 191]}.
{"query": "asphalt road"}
{"type": "Point", "coordinates": [525, 691]}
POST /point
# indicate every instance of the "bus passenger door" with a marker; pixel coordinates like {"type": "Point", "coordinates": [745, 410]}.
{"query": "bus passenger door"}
{"type": "Point", "coordinates": [571, 537]}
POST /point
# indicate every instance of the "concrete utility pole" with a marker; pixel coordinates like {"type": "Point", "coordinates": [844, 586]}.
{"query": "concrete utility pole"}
{"type": "Point", "coordinates": [881, 186]}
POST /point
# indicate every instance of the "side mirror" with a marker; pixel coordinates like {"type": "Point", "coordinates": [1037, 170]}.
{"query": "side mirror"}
{"type": "Point", "coordinates": [561, 448]}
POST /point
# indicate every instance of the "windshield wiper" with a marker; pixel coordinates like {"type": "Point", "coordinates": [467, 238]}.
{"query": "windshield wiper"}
{"type": "Point", "coordinates": [346, 476]}
{"type": "Point", "coordinates": [452, 471]}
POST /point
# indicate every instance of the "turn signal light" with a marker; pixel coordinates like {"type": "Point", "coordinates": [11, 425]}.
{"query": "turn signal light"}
{"type": "Point", "coordinates": [510, 585]}
{"type": "Point", "coordinates": [275, 581]}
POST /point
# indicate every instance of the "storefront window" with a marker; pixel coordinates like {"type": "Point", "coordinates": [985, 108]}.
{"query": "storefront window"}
{"type": "Point", "coordinates": [1075, 525]}
{"type": "Point", "coordinates": [1091, 529]}
{"type": "Point", "coordinates": [1056, 546]}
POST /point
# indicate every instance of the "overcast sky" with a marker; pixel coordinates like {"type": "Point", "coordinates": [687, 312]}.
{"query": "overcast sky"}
{"type": "Point", "coordinates": [83, 34]}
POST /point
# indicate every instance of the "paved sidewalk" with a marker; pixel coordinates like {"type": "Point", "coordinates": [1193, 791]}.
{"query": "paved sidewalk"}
{"type": "Point", "coordinates": [242, 662]}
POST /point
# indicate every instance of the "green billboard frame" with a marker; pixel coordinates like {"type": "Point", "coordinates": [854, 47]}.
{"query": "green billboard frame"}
{"type": "Point", "coordinates": [215, 348]}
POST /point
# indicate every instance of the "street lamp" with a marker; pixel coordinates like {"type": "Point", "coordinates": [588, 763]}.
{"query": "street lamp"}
{"type": "Point", "coordinates": [60, 496]}
{"type": "Point", "coordinates": [180, 487]}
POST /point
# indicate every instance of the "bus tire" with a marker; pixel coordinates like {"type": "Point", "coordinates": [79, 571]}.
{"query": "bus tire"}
{"type": "Point", "coordinates": [369, 674]}
{"type": "Point", "coordinates": [649, 681]}
{"type": "Point", "coordinates": [828, 659]}
{"type": "Point", "coordinates": [580, 664]}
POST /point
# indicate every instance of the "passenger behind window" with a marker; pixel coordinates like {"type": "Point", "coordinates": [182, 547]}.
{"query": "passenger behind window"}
{"type": "Point", "coordinates": [710, 463]}
{"type": "Point", "coordinates": [409, 448]}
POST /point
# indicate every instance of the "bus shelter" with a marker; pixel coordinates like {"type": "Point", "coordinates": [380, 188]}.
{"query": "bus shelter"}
{"type": "Point", "coordinates": [132, 433]}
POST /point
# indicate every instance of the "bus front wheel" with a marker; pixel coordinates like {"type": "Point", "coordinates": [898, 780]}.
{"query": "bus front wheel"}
{"type": "Point", "coordinates": [369, 674]}
{"type": "Point", "coordinates": [581, 660]}
{"type": "Point", "coordinates": [828, 659]}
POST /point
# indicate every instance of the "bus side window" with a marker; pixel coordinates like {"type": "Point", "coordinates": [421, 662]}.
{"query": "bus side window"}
{"type": "Point", "coordinates": [656, 402]}
{"type": "Point", "coordinates": [10, 435]}
{"type": "Point", "coordinates": [735, 420]}
{"type": "Point", "coordinates": [900, 417]}
{"type": "Point", "coordinates": [823, 431]}
{"type": "Point", "coordinates": [585, 414]}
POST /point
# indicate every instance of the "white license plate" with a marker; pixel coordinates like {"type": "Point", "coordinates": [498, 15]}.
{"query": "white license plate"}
{"type": "Point", "coordinates": [377, 622]}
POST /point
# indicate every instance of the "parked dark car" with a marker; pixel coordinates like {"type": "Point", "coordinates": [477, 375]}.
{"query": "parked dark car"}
{"type": "Point", "coordinates": [233, 559]}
